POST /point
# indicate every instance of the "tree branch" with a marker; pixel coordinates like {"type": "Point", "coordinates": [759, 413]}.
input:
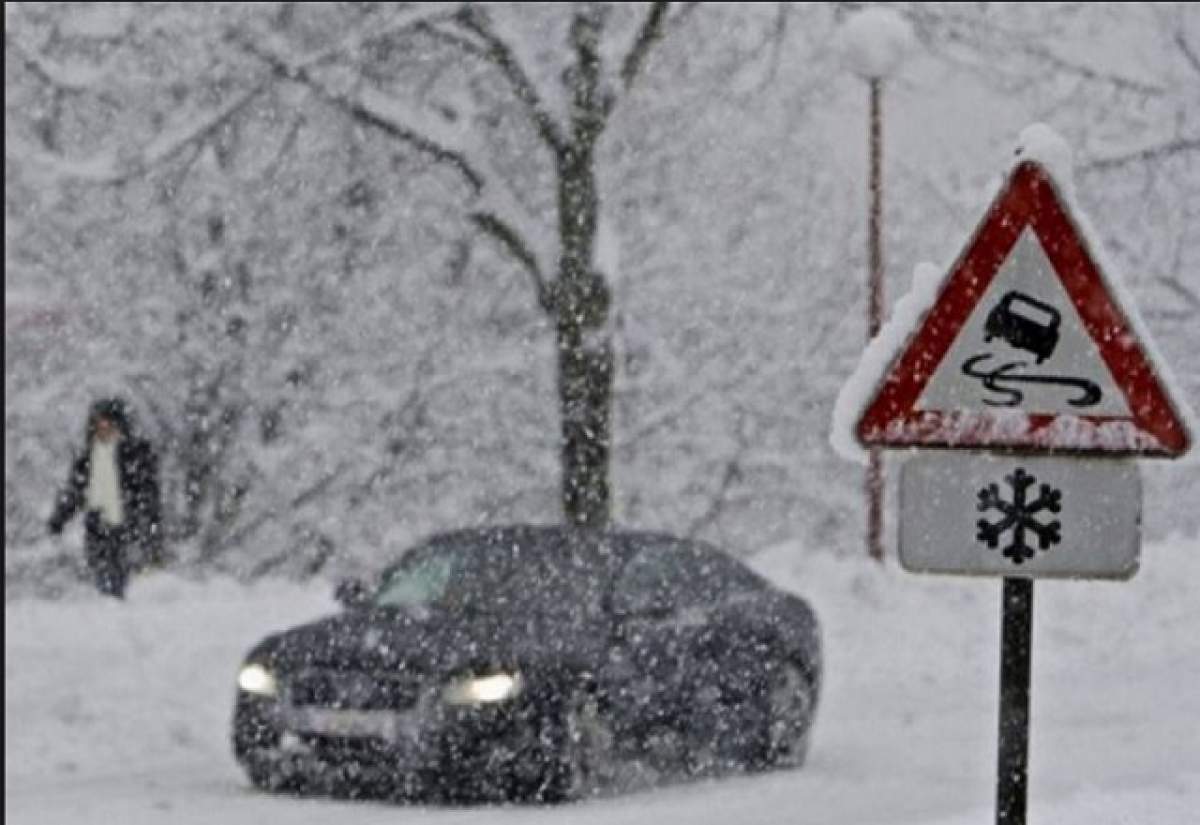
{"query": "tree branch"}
{"type": "Point", "coordinates": [167, 146]}
{"type": "Point", "coordinates": [1189, 295]}
{"type": "Point", "coordinates": [360, 111]}
{"type": "Point", "coordinates": [778, 35]}
{"type": "Point", "coordinates": [461, 43]}
{"type": "Point", "coordinates": [650, 33]}
{"type": "Point", "coordinates": [1174, 147]}
{"type": "Point", "coordinates": [516, 246]}
{"type": "Point", "coordinates": [108, 170]}
{"type": "Point", "coordinates": [59, 77]}
{"type": "Point", "coordinates": [589, 107]}
{"type": "Point", "coordinates": [1117, 81]}
{"type": "Point", "coordinates": [1188, 52]}
{"type": "Point", "coordinates": [421, 18]}
{"type": "Point", "coordinates": [731, 476]}
{"type": "Point", "coordinates": [316, 489]}
{"type": "Point", "coordinates": [285, 146]}
{"type": "Point", "coordinates": [987, 41]}
{"type": "Point", "coordinates": [499, 54]}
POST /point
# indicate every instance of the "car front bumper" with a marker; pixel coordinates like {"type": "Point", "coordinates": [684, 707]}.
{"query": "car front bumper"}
{"type": "Point", "coordinates": [486, 751]}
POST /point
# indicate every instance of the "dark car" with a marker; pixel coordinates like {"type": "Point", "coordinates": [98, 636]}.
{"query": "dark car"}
{"type": "Point", "coordinates": [533, 662]}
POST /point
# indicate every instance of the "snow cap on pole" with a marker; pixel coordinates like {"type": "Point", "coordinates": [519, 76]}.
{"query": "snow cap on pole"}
{"type": "Point", "coordinates": [875, 41]}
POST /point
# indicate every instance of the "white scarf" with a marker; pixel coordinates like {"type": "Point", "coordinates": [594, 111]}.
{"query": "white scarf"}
{"type": "Point", "coordinates": [104, 485]}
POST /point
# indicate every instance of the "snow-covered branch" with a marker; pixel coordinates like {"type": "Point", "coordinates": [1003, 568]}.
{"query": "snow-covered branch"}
{"type": "Point", "coordinates": [371, 109]}
{"type": "Point", "coordinates": [987, 40]}
{"type": "Point", "coordinates": [1188, 295]}
{"type": "Point", "coordinates": [731, 475]}
{"type": "Point", "coordinates": [446, 143]}
{"type": "Point", "coordinates": [1155, 152]}
{"type": "Point", "coordinates": [76, 79]}
{"type": "Point", "coordinates": [499, 53]}
{"type": "Point", "coordinates": [1118, 81]}
{"type": "Point", "coordinates": [463, 44]}
{"type": "Point", "coordinates": [111, 167]}
{"type": "Point", "coordinates": [1189, 53]}
{"type": "Point", "coordinates": [423, 17]}
{"type": "Point", "coordinates": [494, 211]}
{"type": "Point", "coordinates": [515, 245]}
{"type": "Point", "coordinates": [650, 33]}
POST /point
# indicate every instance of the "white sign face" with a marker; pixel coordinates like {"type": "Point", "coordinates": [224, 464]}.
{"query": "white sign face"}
{"type": "Point", "coordinates": [1022, 516]}
{"type": "Point", "coordinates": [1024, 347]}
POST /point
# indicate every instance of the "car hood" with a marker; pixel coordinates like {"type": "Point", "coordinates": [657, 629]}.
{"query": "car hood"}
{"type": "Point", "coordinates": [434, 643]}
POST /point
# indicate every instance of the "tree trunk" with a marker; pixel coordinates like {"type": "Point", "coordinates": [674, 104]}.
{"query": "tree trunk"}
{"type": "Point", "coordinates": [579, 301]}
{"type": "Point", "coordinates": [585, 378]}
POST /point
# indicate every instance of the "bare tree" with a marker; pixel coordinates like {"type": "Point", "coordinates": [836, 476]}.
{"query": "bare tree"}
{"type": "Point", "coordinates": [571, 289]}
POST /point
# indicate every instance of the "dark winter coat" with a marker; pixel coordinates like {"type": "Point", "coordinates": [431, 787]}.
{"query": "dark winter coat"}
{"type": "Point", "coordinates": [137, 470]}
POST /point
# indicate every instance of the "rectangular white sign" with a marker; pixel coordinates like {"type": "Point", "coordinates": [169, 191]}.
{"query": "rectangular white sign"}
{"type": "Point", "coordinates": [1010, 515]}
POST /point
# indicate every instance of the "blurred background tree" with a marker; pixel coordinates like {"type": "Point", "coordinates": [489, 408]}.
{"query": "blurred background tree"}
{"type": "Point", "coordinates": [371, 270]}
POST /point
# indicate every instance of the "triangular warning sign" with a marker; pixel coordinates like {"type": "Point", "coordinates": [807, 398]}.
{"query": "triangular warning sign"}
{"type": "Point", "coordinates": [1026, 347]}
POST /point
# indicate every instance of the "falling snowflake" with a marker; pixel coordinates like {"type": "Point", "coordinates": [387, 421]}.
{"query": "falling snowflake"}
{"type": "Point", "coordinates": [1019, 516]}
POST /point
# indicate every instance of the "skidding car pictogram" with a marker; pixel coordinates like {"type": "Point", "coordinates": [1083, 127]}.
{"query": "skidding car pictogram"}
{"type": "Point", "coordinates": [1012, 320]}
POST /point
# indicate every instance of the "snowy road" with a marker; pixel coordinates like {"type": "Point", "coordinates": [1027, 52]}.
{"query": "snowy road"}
{"type": "Point", "coordinates": [118, 713]}
{"type": "Point", "coordinates": [215, 793]}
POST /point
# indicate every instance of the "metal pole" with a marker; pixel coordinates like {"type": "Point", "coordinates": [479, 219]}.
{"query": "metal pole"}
{"type": "Point", "coordinates": [1016, 635]}
{"type": "Point", "coordinates": [874, 482]}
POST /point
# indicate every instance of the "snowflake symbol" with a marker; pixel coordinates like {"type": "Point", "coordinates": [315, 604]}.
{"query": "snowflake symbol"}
{"type": "Point", "coordinates": [1019, 516]}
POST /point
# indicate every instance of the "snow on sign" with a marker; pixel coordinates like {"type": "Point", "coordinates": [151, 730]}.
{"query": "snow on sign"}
{"type": "Point", "coordinates": [1026, 346]}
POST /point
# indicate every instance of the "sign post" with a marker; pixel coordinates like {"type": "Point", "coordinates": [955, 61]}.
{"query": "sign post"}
{"type": "Point", "coordinates": [1024, 386]}
{"type": "Point", "coordinates": [1016, 645]}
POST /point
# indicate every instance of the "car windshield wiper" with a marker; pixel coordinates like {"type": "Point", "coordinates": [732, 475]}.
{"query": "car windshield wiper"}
{"type": "Point", "coordinates": [419, 610]}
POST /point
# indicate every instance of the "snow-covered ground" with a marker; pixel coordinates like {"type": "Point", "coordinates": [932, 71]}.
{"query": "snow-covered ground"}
{"type": "Point", "coordinates": [118, 712]}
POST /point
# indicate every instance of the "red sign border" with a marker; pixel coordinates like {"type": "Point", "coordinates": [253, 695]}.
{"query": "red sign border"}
{"type": "Point", "coordinates": [1029, 198]}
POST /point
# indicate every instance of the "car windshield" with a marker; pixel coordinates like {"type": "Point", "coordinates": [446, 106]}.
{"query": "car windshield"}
{"type": "Point", "coordinates": [665, 571]}
{"type": "Point", "coordinates": [501, 571]}
{"type": "Point", "coordinates": [420, 583]}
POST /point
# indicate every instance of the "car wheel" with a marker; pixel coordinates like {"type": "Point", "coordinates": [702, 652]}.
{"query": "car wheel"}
{"type": "Point", "coordinates": [267, 772]}
{"type": "Point", "coordinates": [254, 738]}
{"type": "Point", "coordinates": [789, 712]}
{"type": "Point", "coordinates": [262, 774]}
{"type": "Point", "coordinates": [584, 761]}
{"type": "Point", "coordinates": [755, 716]}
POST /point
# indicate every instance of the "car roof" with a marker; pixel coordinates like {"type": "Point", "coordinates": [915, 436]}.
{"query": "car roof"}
{"type": "Point", "coordinates": [619, 544]}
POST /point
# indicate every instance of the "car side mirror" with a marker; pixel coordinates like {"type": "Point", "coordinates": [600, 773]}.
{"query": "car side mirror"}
{"type": "Point", "coordinates": [352, 594]}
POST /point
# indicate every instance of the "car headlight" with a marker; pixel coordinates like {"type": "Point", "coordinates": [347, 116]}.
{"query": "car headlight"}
{"type": "Point", "coordinates": [254, 678]}
{"type": "Point", "coordinates": [483, 690]}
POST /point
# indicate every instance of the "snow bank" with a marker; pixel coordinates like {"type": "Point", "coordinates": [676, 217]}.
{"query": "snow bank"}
{"type": "Point", "coordinates": [911, 692]}
{"type": "Point", "coordinates": [94, 686]}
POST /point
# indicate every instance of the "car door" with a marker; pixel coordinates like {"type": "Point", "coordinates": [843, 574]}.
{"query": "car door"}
{"type": "Point", "coordinates": [661, 604]}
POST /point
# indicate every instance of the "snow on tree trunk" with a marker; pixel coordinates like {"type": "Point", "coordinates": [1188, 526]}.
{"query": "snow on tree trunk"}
{"type": "Point", "coordinates": [585, 382]}
{"type": "Point", "coordinates": [580, 301]}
